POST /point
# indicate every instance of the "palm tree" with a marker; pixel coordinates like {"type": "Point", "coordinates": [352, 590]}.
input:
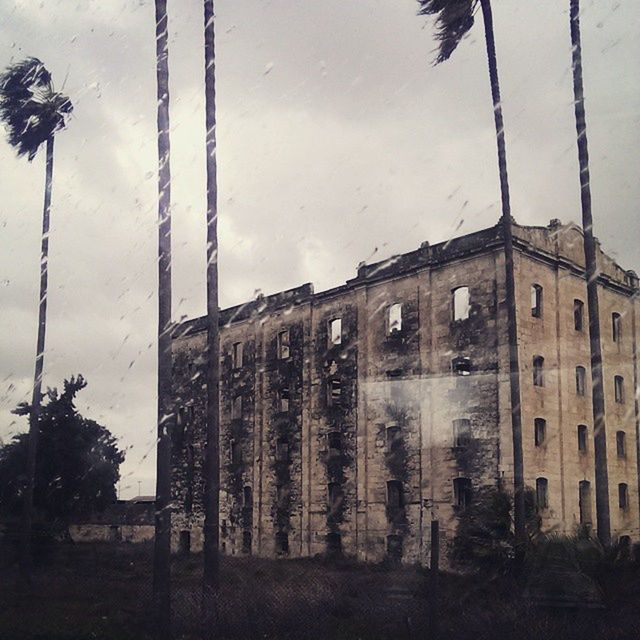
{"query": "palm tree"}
{"type": "Point", "coordinates": [162, 544]}
{"type": "Point", "coordinates": [591, 268]}
{"type": "Point", "coordinates": [33, 113]}
{"type": "Point", "coordinates": [454, 19]}
{"type": "Point", "coordinates": [212, 461]}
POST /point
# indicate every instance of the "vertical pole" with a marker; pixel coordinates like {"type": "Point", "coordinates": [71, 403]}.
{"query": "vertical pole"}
{"type": "Point", "coordinates": [434, 579]}
{"type": "Point", "coordinates": [599, 428]}
{"type": "Point", "coordinates": [162, 543]}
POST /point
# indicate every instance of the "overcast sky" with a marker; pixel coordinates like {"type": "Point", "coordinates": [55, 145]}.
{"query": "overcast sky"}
{"type": "Point", "coordinates": [338, 141]}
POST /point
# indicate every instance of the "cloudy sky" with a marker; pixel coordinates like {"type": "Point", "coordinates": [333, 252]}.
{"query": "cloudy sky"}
{"type": "Point", "coordinates": [338, 142]}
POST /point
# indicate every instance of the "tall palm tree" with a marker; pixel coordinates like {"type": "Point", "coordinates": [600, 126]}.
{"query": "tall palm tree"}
{"type": "Point", "coordinates": [33, 113]}
{"type": "Point", "coordinates": [212, 452]}
{"type": "Point", "coordinates": [599, 431]}
{"type": "Point", "coordinates": [454, 19]}
{"type": "Point", "coordinates": [162, 544]}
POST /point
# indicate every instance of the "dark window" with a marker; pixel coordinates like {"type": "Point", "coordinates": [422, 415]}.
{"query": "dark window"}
{"type": "Point", "coordinates": [578, 315]}
{"type": "Point", "coordinates": [282, 493]}
{"type": "Point", "coordinates": [335, 331]}
{"type": "Point", "coordinates": [184, 543]}
{"type": "Point", "coordinates": [584, 501]}
{"type": "Point", "coordinates": [236, 452]}
{"type": "Point", "coordinates": [334, 440]}
{"type": "Point", "coordinates": [542, 498]}
{"type": "Point", "coordinates": [621, 444]}
{"type": "Point", "coordinates": [461, 432]}
{"type": "Point", "coordinates": [247, 495]}
{"type": "Point", "coordinates": [334, 542]}
{"type": "Point", "coordinates": [539, 431]}
{"type": "Point", "coordinates": [395, 497]}
{"type": "Point", "coordinates": [461, 303]}
{"type": "Point", "coordinates": [623, 495]}
{"type": "Point", "coordinates": [282, 450]}
{"type": "Point", "coordinates": [282, 543]}
{"type": "Point", "coordinates": [582, 438]}
{"type": "Point", "coordinates": [283, 345]}
{"type": "Point", "coordinates": [461, 366]}
{"type": "Point", "coordinates": [538, 371]}
{"type": "Point", "coordinates": [284, 400]}
{"type": "Point", "coordinates": [393, 437]}
{"type": "Point", "coordinates": [581, 380]}
{"type": "Point", "coordinates": [394, 318]}
{"type": "Point", "coordinates": [618, 384]}
{"type": "Point", "coordinates": [462, 492]}
{"type": "Point", "coordinates": [334, 392]}
{"type": "Point", "coordinates": [237, 355]}
{"type": "Point", "coordinates": [616, 327]}
{"type": "Point", "coordinates": [246, 541]}
{"type": "Point", "coordinates": [334, 495]}
{"type": "Point", "coordinates": [536, 301]}
{"type": "Point", "coordinates": [236, 408]}
{"type": "Point", "coordinates": [394, 548]}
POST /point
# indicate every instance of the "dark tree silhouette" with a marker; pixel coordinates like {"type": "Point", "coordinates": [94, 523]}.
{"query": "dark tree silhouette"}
{"type": "Point", "coordinates": [454, 19]}
{"type": "Point", "coordinates": [33, 112]}
{"type": "Point", "coordinates": [162, 543]}
{"type": "Point", "coordinates": [212, 451]}
{"type": "Point", "coordinates": [593, 307]}
{"type": "Point", "coordinates": [77, 468]}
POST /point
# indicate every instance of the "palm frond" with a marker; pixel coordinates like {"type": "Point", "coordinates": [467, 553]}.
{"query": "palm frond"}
{"type": "Point", "coordinates": [454, 19]}
{"type": "Point", "coordinates": [29, 107]}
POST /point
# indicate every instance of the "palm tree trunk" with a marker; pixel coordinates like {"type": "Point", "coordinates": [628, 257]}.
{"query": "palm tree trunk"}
{"type": "Point", "coordinates": [162, 544]}
{"type": "Point", "coordinates": [599, 430]}
{"type": "Point", "coordinates": [514, 365]}
{"type": "Point", "coordinates": [36, 398]}
{"type": "Point", "coordinates": [212, 452]}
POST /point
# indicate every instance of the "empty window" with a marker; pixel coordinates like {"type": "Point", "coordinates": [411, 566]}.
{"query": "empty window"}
{"type": "Point", "coordinates": [235, 452]}
{"type": "Point", "coordinates": [581, 380]}
{"type": "Point", "coordinates": [236, 408]}
{"type": "Point", "coordinates": [618, 384]}
{"type": "Point", "coordinates": [334, 441]}
{"type": "Point", "coordinates": [334, 542]}
{"type": "Point", "coordinates": [282, 543]}
{"type": "Point", "coordinates": [462, 492]}
{"type": "Point", "coordinates": [584, 501]}
{"type": "Point", "coordinates": [334, 495]}
{"type": "Point", "coordinates": [283, 400]}
{"type": "Point", "coordinates": [461, 366]}
{"type": "Point", "coordinates": [395, 497]}
{"type": "Point", "coordinates": [184, 543]}
{"type": "Point", "coordinates": [282, 493]}
{"type": "Point", "coordinates": [536, 300]}
{"type": "Point", "coordinates": [461, 432]}
{"type": "Point", "coordinates": [247, 496]}
{"type": "Point", "coordinates": [282, 450]}
{"type": "Point", "coordinates": [283, 345]}
{"type": "Point", "coordinates": [394, 318]}
{"type": "Point", "coordinates": [538, 371]}
{"type": "Point", "coordinates": [335, 331]}
{"type": "Point", "coordinates": [334, 392]}
{"type": "Point", "coordinates": [616, 327]}
{"type": "Point", "coordinates": [542, 499]}
{"type": "Point", "coordinates": [578, 315]}
{"type": "Point", "coordinates": [237, 355]}
{"type": "Point", "coordinates": [246, 541]}
{"type": "Point", "coordinates": [461, 303]}
{"type": "Point", "coordinates": [540, 431]}
{"type": "Point", "coordinates": [623, 495]}
{"type": "Point", "coordinates": [582, 438]}
{"type": "Point", "coordinates": [621, 444]}
{"type": "Point", "coordinates": [394, 548]}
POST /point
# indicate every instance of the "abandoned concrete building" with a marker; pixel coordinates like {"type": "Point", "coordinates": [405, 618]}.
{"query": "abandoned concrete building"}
{"type": "Point", "coordinates": [352, 417]}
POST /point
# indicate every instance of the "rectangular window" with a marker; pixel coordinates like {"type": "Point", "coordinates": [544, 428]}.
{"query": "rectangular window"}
{"type": "Point", "coordinates": [394, 318]}
{"type": "Point", "coordinates": [581, 380]}
{"type": "Point", "coordinates": [621, 444]}
{"type": "Point", "coordinates": [582, 438]}
{"type": "Point", "coordinates": [393, 437]}
{"type": "Point", "coordinates": [236, 452]}
{"type": "Point", "coordinates": [283, 345]}
{"type": "Point", "coordinates": [334, 494]}
{"type": "Point", "coordinates": [461, 303]}
{"type": "Point", "coordinates": [334, 392]}
{"type": "Point", "coordinates": [623, 496]}
{"type": "Point", "coordinates": [395, 497]}
{"type": "Point", "coordinates": [616, 327]}
{"type": "Point", "coordinates": [236, 408]}
{"type": "Point", "coordinates": [584, 501]}
{"type": "Point", "coordinates": [461, 366]}
{"type": "Point", "coordinates": [536, 300]}
{"type": "Point", "coordinates": [284, 400]}
{"type": "Point", "coordinates": [334, 442]}
{"type": "Point", "coordinates": [237, 355]}
{"type": "Point", "coordinates": [618, 383]}
{"type": "Point", "coordinates": [540, 431]}
{"type": "Point", "coordinates": [578, 315]}
{"type": "Point", "coordinates": [542, 499]}
{"type": "Point", "coordinates": [538, 371]}
{"type": "Point", "coordinates": [282, 450]}
{"type": "Point", "coordinates": [335, 331]}
{"type": "Point", "coordinates": [461, 432]}
{"type": "Point", "coordinates": [462, 492]}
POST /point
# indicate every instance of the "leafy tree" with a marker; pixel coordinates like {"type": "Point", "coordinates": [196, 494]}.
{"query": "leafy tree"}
{"type": "Point", "coordinates": [33, 113]}
{"type": "Point", "coordinates": [77, 467]}
{"type": "Point", "coordinates": [484, 539]}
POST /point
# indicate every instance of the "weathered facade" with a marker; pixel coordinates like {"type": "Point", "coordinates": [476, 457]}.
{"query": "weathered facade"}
{"type": "Point", "coordinates": [351, 417]}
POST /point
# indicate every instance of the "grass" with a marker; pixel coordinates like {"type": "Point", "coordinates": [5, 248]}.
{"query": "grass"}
{"type": "Point", "coordinates": [92, 591]}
